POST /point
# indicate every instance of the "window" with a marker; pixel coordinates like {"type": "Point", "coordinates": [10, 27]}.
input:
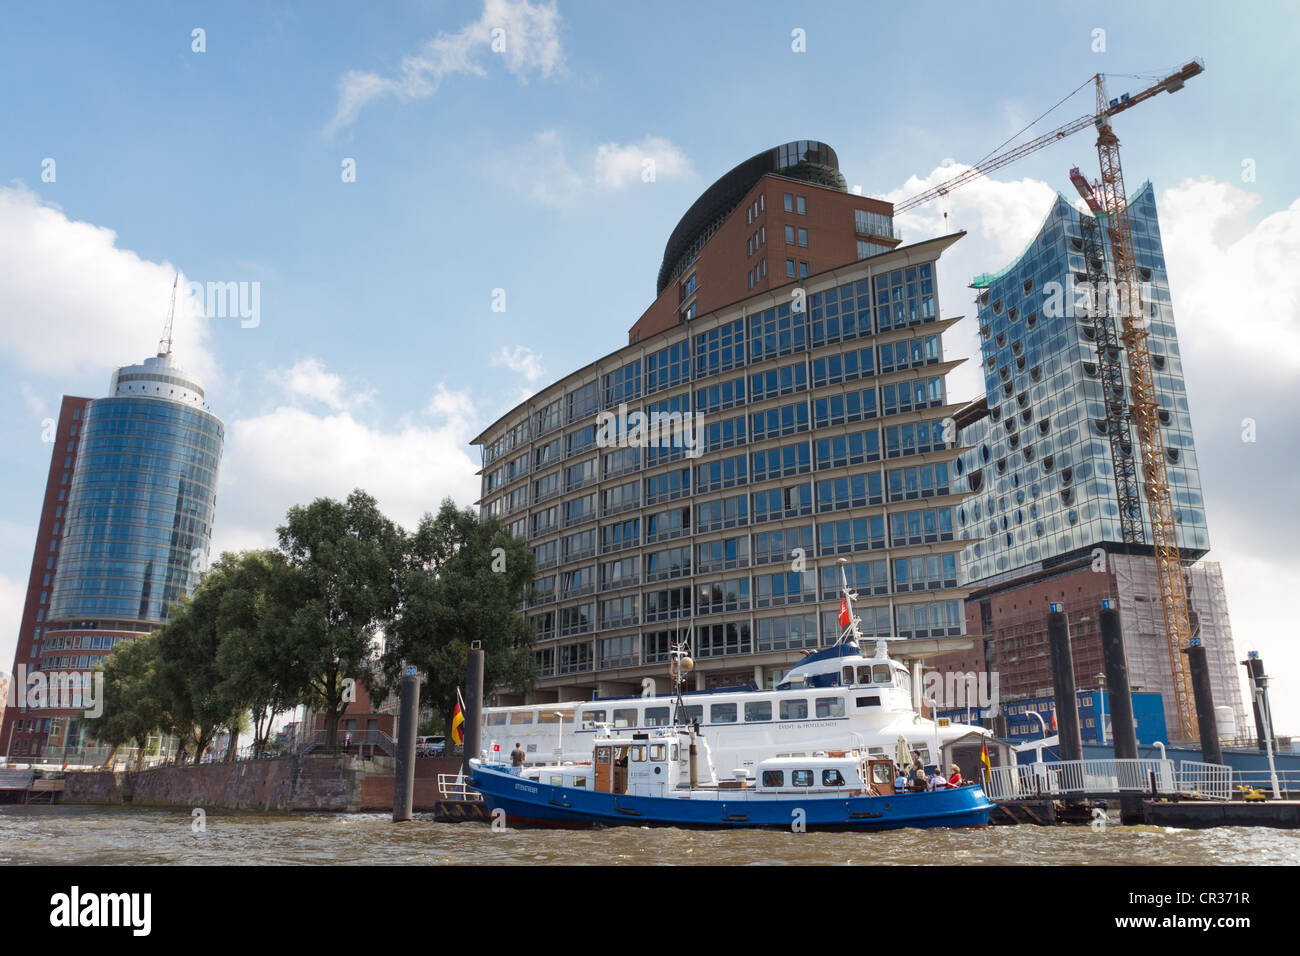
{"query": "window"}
{"type": "Point", "coordinates": [720, 349]}
{"type": "Point", "coordinates": [832, 778]}
{"type": "Point", "coordinates": [758, 710]}
{"type": "Point", "coordinates": [656, 717]}
{"type": "Point", "coordinates": [722, 714]}
{"type": "Point", "coordinates": [789, 268]}
{"type": "Point", "coordinates": [774, 778]}
{"type": "Point", "coordinates": [801, 778]}
{"type": "Point", "coordinates": [803, 238]}
{"type": "Point", "coordinates": [789, 202]}
{"type": "Point", "coordinates": [794, 709]}
{"type": "Point", "coordinates": [829, 707]}
{"type": "Point", "coordinates": [789, 235]}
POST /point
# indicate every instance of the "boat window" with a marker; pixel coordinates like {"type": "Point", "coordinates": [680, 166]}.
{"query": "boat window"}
{"type": "Point", "coordinates": [758, 710]}
{"type": "Point", "coordinates": [657, 752]}
{"type": "Point", "coordinates": [774, 778]}
{"type": "Point", "coordinates": [656, 717]}
{"type": "Point", "coordinates": [625, 717]}
{"type": "Point", "coordinates": [801, 778]}
{"type": "Point", "coordinates": [637, 753]}
{"type": "Point", "coordinates": [847, 675]}
{"type": "Point", "coordinates": [832, 778]}
{"type": "Point", "coordinates": [864, 674]}
{"type": "Point", "coordinates": [590, 718]}
{"type": "Point", "coordinates": [694, 712]}
{"type": "Point", "coordinates": [522, 717]}
{"type": "Point", "coordinates": [580, 782]}
{"type": "Point", "coordinates": [555, 717]}
{"type": "Point", "coordinates": [497, 720]}
{"type": "Point", "coordinates": [883, 675]}
{"type": "Point", "coordinates": [603, 754]}
{"type": "Point", "coordinates": [722, 713]}
{"type": "Point", "coordinates": [880, 773]}
{"type": "Point", "coordinates": [557, 780]}
{"type": "Point", "coordinates": [871, 701]}
{"type": "Point", "coordinates": [796, 709]}
{"type": "Point", "coordinates": [830, 706]}
{"type": "Point", "coordinates": [674, 756]}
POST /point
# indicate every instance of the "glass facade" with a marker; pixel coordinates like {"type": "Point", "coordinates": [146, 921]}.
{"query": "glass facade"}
{"type": "Point", "coordinates": [820, 436]}
{"type": "Point", "coordinates": [141, 505]}
{"type": "Point", "coordinates": [1038, 469]}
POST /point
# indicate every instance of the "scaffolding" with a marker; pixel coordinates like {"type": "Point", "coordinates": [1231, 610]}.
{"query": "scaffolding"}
{"type": "Point", "coordinates": [1147, 648]}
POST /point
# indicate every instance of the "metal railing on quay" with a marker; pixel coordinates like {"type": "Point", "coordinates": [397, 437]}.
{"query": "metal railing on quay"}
{"type": "Point", "coordinates": [454, 787]}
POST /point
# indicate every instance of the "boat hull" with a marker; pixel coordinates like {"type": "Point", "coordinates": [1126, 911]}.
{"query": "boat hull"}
{"type": "Point", "coordinates": [531, 803]}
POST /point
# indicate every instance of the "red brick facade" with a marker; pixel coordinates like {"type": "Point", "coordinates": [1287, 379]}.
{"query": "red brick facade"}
{"type": "Point", "coordinates": [725, 262]}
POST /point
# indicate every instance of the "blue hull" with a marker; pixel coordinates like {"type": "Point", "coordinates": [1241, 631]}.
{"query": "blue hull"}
{"type": "Point", "coordinates": [532, 803]}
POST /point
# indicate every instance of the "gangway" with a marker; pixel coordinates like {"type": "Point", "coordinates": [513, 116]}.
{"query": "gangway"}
{"type": "Point", "coordinates": [1113, 778]}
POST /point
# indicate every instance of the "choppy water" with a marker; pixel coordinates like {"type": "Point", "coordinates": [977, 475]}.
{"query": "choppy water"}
{"type": "Point", "coordinates": [127, 836]}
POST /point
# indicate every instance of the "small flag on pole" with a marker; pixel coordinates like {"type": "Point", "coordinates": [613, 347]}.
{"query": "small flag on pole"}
{"type": "Point", "coordinates": [984, 760]}
{"type": "Point", "coordinates": [458, 720]}
{"type": "Point", "coordinates": [845, 617]}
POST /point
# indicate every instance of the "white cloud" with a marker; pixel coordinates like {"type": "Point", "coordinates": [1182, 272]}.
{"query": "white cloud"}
{"type": "Point", "coordinates": [309, 379]}
{"type": "Point", "coordinates": [524, 35]}
{"type": "Point", "coordinates": [293, 455]}
{"type": "Point", "coordinates": [75, 304]}
{"type": "Point", "coordinates": [36, 404]}
{"type": "Point", "coordinates": [521, 359]}
{"type": "Point", "coordinates": [619, 166]}
{"type": "Point", "coordinates": [542, 171]}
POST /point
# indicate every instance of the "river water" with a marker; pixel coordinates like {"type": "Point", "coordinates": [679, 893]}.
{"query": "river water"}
{"type": "Point", "coordinates": [80, 835]}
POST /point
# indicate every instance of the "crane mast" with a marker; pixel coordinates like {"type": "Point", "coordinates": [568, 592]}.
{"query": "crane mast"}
{"type": "Point", "coordinates": [1145, 415]}
{"type": "Point", "coordinates": [1143, 411]}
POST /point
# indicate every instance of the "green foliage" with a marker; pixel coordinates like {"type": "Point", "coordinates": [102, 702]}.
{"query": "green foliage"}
{"type": "Point", "coordinates": [348, 561]}
{"type": "Point", "coordinates": [464, 582]}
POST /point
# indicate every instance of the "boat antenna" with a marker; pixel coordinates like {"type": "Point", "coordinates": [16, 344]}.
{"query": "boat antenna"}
{"type": "Point", "coordinates": [679, 665]}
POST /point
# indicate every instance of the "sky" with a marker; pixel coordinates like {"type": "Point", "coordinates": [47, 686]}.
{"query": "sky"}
{"type": "Point", "coordinates": [376, 177]}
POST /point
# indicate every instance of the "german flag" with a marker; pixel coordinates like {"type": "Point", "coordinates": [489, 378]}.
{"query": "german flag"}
{"type": "Point", "coordinates": [458, 720]}
{"type": "Point", "coordinates": [985, 762]}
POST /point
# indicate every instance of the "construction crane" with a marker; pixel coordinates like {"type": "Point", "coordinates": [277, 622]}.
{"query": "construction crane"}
{"type": "Point", "coordinates": [1109, 201]}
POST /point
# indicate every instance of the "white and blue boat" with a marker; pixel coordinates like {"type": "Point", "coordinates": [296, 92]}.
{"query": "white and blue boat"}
{"type": "Point", "coordinates": [665, 778]}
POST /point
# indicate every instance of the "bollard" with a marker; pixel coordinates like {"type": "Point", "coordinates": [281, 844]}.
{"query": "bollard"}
{"type": "Point", "coordinates": [407, 729]}
{"type": "Point", "coordinates": [1067, 699]}
{"type": "Point", "coordinates": [473, 726]}
{"type": "Point", "coordinates": [1204, 697]}
{"type": "Point", "coordinates": [1124, 731]}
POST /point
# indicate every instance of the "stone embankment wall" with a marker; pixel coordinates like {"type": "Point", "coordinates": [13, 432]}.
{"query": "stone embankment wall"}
{"type": "Point", "coordinates": [325, 783]}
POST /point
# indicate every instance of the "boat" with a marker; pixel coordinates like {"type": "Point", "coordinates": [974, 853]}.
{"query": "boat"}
{"type": "Point", "coordinates": [835, 698]}
{"type": "Point", "coordinates": [666, 777]}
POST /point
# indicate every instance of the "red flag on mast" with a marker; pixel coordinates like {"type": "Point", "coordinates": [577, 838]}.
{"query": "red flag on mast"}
{"type": "Point", "coordinates": [845, 617]}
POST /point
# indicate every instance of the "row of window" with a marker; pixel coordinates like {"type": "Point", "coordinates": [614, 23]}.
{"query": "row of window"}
{"type": "Point", "coordinates": [903, 297]}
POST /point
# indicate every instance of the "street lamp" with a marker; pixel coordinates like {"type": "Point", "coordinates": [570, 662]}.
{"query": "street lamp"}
{"type": "Point", "coordinates": [1260, 687]}
{"type": "Point", "coordinates": [1101, 699]}
{"type": "Point", "coordinates": [1043, 724]}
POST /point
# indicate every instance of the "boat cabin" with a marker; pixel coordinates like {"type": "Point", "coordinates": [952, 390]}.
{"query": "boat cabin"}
{"type": "Point", "coordinates": [851, 773]}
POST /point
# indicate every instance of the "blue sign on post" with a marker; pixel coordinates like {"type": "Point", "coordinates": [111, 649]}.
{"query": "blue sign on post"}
{"type": "Point", "coordinates": [1105, 604]}
{"type": "Point", "coordinates": [410, 671]}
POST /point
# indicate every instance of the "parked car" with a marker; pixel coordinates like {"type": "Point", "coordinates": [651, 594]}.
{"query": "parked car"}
{"type": "Point", "coordinates": [430, 746]}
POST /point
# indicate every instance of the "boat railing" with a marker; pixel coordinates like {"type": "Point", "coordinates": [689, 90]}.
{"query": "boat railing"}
{"type": "Point", "coordinates": [454, 787]}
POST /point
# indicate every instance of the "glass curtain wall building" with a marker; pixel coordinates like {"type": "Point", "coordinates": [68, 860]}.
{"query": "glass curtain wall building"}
{"type": "Point", "coordinates": [1039, 469]}
{"type": "Point", "coordinates": [821, 407]}
{"type": "Point", "coordinates": [138, 526]}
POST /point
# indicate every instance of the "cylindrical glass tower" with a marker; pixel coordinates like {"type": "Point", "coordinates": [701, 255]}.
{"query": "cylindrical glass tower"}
{"type": "Point", "coordinates": [140, 508]}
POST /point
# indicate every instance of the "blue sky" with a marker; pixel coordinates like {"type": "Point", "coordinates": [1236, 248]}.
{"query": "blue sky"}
{"type": "Point", "coordinates": [376, 354]}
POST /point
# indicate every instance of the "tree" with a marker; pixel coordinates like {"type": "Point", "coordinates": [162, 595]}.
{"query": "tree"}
{"type": "Point", "coordinates": [348, 561]}
{"type": "Point", "coordinates": [136, 702]}
{"type": "Point", "coordinates": [464, 582]}
{"type": "Point", "coordinates": [255, 655]}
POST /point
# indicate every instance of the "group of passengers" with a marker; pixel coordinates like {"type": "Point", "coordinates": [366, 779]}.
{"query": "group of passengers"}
{"type": "Point", "coordinates": [916, 778]}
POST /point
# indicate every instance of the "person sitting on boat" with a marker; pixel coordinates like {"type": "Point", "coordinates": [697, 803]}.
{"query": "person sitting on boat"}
{"type": "Point", "coordinates": [937, 782]}
{"type": "Point", "coordinates": [955, 779]}
{"type": "Point", "coordinates": [900, 781]}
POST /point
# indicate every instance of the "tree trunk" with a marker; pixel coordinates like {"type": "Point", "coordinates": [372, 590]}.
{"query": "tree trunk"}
{"type": "Point", "coordinates": [233, 747]}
